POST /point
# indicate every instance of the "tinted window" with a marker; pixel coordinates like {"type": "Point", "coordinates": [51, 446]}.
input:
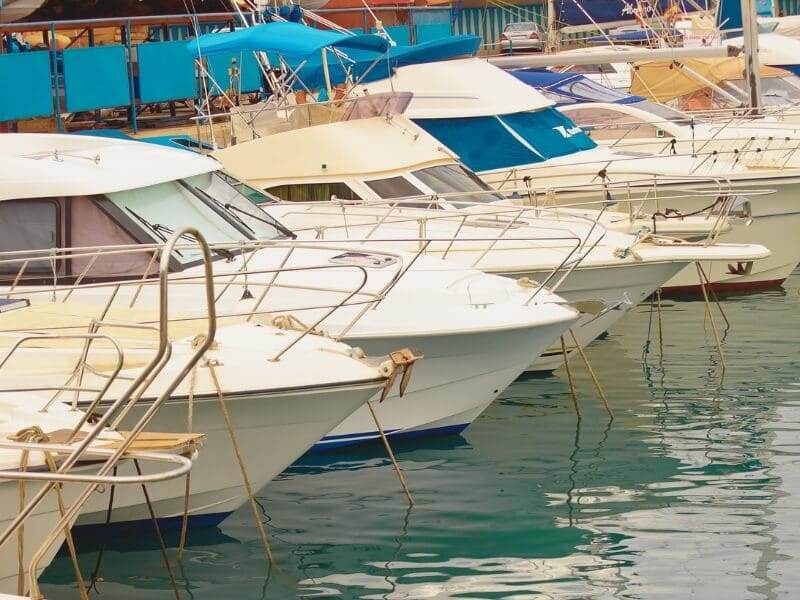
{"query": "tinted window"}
{"type": "Point", "coordinates": [393, 187]}
{"type": "Point", "coordinates": [31, 224]}
{"type": "Point", "coordinates": [454, 179]}
{"type": "Point", "coordinates": [313, 192]}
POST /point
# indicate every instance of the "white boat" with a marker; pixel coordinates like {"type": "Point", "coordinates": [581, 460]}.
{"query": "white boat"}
{"type": "Point", "coordinates": [457, 317]}
{"type": "Point", "coordinates": [53, 456]}
{"type": "Point", "coordinates": [511, 136]}
{"type": "Point", "coordinates": [397, 183]}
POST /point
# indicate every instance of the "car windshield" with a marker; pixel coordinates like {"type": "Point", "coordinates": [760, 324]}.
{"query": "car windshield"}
{"type": "Point", "coordinates": [208, 202]}
{"type": "Point", "coordinates": [521, 27]}
{"type": "Point", "coordinates": [455, 179]}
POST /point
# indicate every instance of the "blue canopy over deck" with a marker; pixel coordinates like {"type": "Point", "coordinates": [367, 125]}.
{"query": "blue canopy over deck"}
{"type": "Point", "coordinates": [285, 39]}
{"type": "Point", "coordinates": [567, 88]}
{"type": "Point", "coordinates": [363, 57]}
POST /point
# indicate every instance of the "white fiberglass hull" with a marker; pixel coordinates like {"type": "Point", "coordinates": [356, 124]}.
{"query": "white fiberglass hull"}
{"type": "Point", "coordinates": [618, 289]}
{"type": "Point", "coordinates": [278, 410]}
{"type": "Point", "coordinates": [455, 382]}
{"type": "Point", "coordinates": [37, 527]}
{"type": "Point", "coordinates": [774, 221]}
{"type": "Point", "coordinates": [272, 431]}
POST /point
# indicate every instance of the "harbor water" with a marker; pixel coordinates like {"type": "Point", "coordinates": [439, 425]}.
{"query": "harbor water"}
{"type": "Point", "coordinates": [691, 491]}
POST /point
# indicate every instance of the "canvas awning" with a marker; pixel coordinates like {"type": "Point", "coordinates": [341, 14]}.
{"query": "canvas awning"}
{"type": "Point", "coordinates": [662, 81]}
{"type": "Point", "coordinates": [284, 39]}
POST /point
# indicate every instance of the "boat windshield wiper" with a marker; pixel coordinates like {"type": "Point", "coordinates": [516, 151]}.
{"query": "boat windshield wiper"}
{"type": "Point", "coordinates": [275, 224]}
{"type": "Point", "coordinates": [154, 228]}
{"type": "Point", "coordinates": [160, 230]}
{"type": "Point", "coordinates": [205, 196]}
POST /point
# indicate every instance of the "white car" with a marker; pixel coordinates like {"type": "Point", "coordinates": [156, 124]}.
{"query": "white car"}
{"type": "Point", "coordinates": [525, 35]}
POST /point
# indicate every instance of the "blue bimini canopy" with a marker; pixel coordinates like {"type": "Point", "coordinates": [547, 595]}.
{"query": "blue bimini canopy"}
{"type": "Point", "coordinates": [284, 39]}
{"type": "Point", "coordinates": [568, 88]}
{"type": "Point", "coordinates": [493, 142]}
{"type": "Point", "coordinates": [361, 66]}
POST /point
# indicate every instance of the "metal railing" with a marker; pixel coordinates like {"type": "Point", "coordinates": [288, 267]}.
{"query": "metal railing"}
{"type": "Point", "coordinates": [82, 449]}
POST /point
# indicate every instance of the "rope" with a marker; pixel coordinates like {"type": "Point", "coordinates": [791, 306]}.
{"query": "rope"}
{"type": "Point", "coordinates": [292, 323]}
{"type": "Point", "coordinates": [95, 576]}
{"type": "Point", "coordinates": [388, 447]}
{"type": "Point", "coordinates": [710, 316]}
{"type": "Point", "coordinates": [592, 375]}
{"type": "Point", "coordinates": [245, 479]}
{"type": "Point", "coordinates": [189, 423]}
{"type": "Point", "coordinates": [35, 434]}
{"type": "Point", "coordinates": [569, 379]}
{"type": "Point", "coordinates": [157, 530]}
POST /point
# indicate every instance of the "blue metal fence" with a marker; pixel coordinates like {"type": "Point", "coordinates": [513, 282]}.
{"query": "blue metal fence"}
{"type": "Point", "coordinates": [45, 83]}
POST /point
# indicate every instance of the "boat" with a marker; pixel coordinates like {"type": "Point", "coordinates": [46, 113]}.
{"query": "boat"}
{"type": "Point", "coordinates": [631, 123]}
{"type": "Point", "coordinates": [53, 456]}
{"type": "Point", "coordinates": [397, 183]}
{"type": "Point", "coordinates": [477, 332]}
{"type": "Point", "coordinates": [512, 136]}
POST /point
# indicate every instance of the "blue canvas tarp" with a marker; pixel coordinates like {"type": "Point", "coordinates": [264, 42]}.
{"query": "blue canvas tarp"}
{"type": "Point", "coordinates": [572, 87]}
{"type": "Point", "coordinates": [503, 141]}
{"type": "Point", "coordinates": [357, 56]}
{"type": "Point", "coordinates": [586, 12]}
{"type": "Point", "coordinates": [363, 67]}
{"type": "Point", "coordinates": [285, 39]}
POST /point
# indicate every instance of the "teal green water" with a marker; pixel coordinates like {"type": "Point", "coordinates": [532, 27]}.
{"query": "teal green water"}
{"type": "Point", "coordinates": [692, 491]}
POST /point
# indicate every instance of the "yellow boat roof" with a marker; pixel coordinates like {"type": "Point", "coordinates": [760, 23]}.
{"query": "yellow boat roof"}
{"type": "Point", "coordinates": [662, 80]}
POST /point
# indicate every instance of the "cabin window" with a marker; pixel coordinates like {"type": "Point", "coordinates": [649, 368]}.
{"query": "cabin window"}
{"type": "Point", "coordinates": [313, 192]}
{"type": "Point", "coordinates": [455, 179]}
{"type": "Point", "coordinates": [393, 187]}
{"type": "Point", "coordinates": [27, 225]}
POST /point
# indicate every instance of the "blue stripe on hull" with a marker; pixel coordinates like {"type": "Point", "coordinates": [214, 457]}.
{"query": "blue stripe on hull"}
{"type": "Point", "coordinates": [99, 530]}
{"type": "Point", "coordinates": [341, 441]}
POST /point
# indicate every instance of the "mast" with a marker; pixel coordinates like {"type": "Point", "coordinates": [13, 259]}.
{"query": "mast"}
{"type": "Point", "coordinates": [752, 71]}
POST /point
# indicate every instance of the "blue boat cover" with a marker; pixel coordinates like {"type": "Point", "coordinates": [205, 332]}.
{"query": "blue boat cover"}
{"type": "Point", "coordinates": [362, 66]}
{"type": "Point", "coordinates": [572, 87]}
{"type": "Point", "coordinates": [642, 35]}
{"type": "Point", "coordinates": [300, 48]}
{"type": "Point", "coordinates": [503, 141]}
{"type": "Point", "coordinates": [587, 12]}
{"type": "Point", "coordinates": [284, 38]}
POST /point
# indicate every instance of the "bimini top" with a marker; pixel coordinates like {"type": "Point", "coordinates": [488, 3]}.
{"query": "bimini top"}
{"type": "Point", "coordinates": [568, 88]}
{"type": "Point", "coordinates": [466, 87]}
{"type": "Point", "coordinates": [285, 39]}
{"type": "Point", "coordinates": [661, 81]}
{"type": "Point", "coordinates": [36, 165]}
{"type": "Point", "coordinates": [337, 150]}
{"type": "Point", "coordinates": [363, 57]}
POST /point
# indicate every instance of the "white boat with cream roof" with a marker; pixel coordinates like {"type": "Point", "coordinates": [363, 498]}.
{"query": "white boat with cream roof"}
{"type": "Point", "coordinates": [510, 134]}
{"type": "Point", "coordinates": [477, 332]}
{"type": "Point", "coordinates": [397, 183]}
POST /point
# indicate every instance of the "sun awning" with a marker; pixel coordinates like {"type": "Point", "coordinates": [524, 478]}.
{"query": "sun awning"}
{"type": "Point", "coordinates": [284, 39]}
{"type": "Point", "coordinates": [662, 80]}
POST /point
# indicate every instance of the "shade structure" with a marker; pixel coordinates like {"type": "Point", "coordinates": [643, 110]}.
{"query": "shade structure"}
{"type": "Point", "coordinates": [662, 81]}
{"type": "Point", "coordinates": [284, 39]}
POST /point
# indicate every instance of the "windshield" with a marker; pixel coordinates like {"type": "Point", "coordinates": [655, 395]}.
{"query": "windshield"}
{"type": "Point", "coordinates": [665, 112]}
{"type": "Point", "coordinates": [591, 91]}
{"type": "Point", "coordinates": [521, 27]}
{"type": "Point", "coordinates": [208, 202]}
{"type": "Point", "coordinates": [454, 179]}
{"type": "Point", "coordinates": [775, 91]}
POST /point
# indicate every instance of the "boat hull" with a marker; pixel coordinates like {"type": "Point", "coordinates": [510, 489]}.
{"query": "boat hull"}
{"type": "Point", "coordinates": [617, 288]}
{"type": "Point", "coordinates": [459, 377]}
{"type": "Point", "coordinates": [272, 431]}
